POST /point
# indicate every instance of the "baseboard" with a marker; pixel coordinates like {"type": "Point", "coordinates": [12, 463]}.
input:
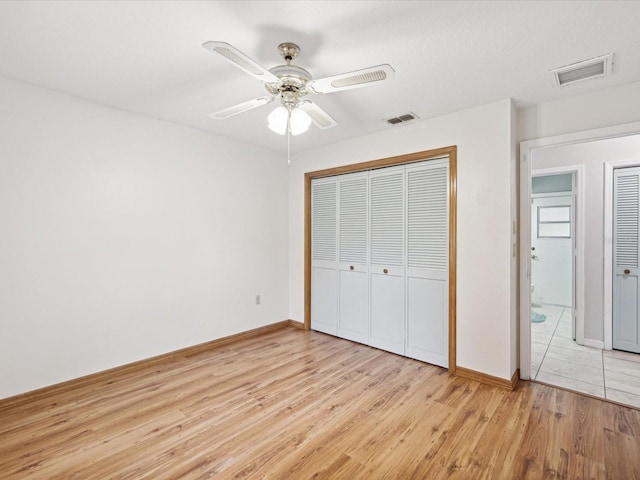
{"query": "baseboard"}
{"type": "Point", "coordinates": [515, 378]}
{"type": "Point", "coordinates": [101, 376]}
{"type": "Point", "coordinates": [296, 324]}
{"type": "Point", "coordinates": [587, 342]}
{"type": "Point", "coordinates": [489, 379]}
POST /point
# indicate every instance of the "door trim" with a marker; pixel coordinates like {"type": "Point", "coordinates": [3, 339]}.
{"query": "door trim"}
{"type": "Point", "coordinates": [449, 152]}
{"type": "Point", "coordinates": [526, 150]}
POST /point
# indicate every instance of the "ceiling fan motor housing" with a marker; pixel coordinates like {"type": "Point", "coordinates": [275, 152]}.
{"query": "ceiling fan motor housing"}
{"type": "Point", "coordinates": [292, 85]}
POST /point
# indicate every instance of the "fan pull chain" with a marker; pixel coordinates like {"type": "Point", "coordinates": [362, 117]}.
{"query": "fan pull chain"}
{"type": "Point", "coordinates": [289, 136]}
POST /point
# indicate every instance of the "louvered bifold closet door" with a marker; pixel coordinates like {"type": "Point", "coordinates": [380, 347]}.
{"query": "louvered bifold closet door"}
{"type": "Point", "coordinates": [386, 269]}
{"type": "Point", "coordinates": [324, 256]}
{"type": "Point", "coordinates": [427, 270]}
{"type": "Point", "coordinates": [353, 306]}
{"type": "Point", "coordinates": [626, 224]}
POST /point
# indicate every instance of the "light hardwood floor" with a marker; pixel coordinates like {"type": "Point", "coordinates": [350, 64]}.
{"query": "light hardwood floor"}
{"type": "Point", "coordinates": [296, 405]}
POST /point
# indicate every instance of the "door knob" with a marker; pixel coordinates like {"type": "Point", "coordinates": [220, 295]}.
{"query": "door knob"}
{"type": "Point", "coordinates": [627, 271]}
{"type": "Point", "coordinates": [351, 267]}
{"type": "Point", "coordinates": [385, 271]}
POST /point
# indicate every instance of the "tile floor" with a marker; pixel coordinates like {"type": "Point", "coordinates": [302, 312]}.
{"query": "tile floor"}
{"type": "Point", "coordinates": [557, 360]}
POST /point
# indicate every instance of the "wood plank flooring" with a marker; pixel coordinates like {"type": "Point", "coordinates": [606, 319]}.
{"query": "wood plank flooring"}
{"type": "Point", "coordinates": [302, 405]}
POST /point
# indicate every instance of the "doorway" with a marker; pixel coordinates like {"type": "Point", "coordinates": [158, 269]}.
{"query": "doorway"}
{"type": "Point", "coordinates": [553, 268]}
{"type": "Point", "coordinates": [595, 155]}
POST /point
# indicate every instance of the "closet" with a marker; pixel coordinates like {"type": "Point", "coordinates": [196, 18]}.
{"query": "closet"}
{"type": "Point", "coordinates": [626, 253]}
{"type": "Point", "coordinates": [380, 258]}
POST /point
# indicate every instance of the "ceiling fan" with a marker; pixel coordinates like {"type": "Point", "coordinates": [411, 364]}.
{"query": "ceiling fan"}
{"type": "Point", "coordinates": [291, 84]}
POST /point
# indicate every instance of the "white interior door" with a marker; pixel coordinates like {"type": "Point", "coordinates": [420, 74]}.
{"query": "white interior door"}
{"type": "Point", "coordinates": [353, 303]}
{"type": "Point", "coordinates": [626, 221]}
{"type": "Point", "coordinates": [386, 268]}
{"type": "Point", "coordinates": [552, 233]}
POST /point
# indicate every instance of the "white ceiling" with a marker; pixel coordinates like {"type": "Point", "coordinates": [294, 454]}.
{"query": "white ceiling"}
{"type": "Point", "coordinates": [146, 56]}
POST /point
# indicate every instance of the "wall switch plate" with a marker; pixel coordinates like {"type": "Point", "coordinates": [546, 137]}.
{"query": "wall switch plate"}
{"type": "Point", "coordinates": [257, 299]}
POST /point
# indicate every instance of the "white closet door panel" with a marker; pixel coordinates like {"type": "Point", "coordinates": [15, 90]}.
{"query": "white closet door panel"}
{"type": "Point", "coordinates": [625, 333]}
{"type": "Point", "coordinates": [626, 220]}
{"type": "Point", "coordinates": [324, 300]}
{"type": "Point", "coordinates": [353, 314]}
{"type": "Point", "coordinates": [353, 220]}
{"type": "Point", "coordinates": [427, 334]}
{"type": "Point", "coordinates": [387, 313]}
{"type": "Point", "coordinates": [324, 245]}
{"type": "Point", "coordinates": [382, 270]}
{"type": "Point", "coordinates": [323, 221]}
{"type": "Point", "coordinates": [387, 218]}
{"type": "Point", "coordinates": [428, 217]}
{"type": "Point", "coordinates": [387, 237]}
{"type": "Point", "coordinates": [427, 271]}
{"type": "Point", "coordinates": [626, 234]}
{"type": "Point", "coordinates": [353, 323]}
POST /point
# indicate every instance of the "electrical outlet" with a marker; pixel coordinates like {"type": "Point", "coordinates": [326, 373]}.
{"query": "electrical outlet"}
{"type": "Point", "coordinates": [257, 299]}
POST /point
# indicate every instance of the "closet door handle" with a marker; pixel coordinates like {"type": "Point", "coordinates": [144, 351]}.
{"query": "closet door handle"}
{"type": "Point", "coordinates": [351, 268]}
{"type": "Point", "coordinates": [385, 271]}
{"type": "Point", "coordinates": [627, 271]}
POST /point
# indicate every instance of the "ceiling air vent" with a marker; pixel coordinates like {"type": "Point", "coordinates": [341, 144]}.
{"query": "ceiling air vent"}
{"type": "Point", "coordinates": [577, 72]}
{"type": "Point", "coordinates": [402, 118]}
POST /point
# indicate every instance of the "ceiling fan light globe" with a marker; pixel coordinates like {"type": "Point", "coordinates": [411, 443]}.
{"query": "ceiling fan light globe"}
{"type": "Point", "coordinates": [278, 120]}
{"type": "Point", "coordinates": [300, 121]}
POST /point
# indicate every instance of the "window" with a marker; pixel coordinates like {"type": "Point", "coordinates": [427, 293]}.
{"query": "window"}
{"type": "Point", "coordinates": [554, 222]}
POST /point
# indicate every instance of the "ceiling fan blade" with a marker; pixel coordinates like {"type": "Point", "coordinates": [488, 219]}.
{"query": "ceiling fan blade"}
{"type": "Point", "coordinates": [240, 60]}
{"type": "Point", "coordinates": [359, 78]}
{"type": "Point", "coordinates": [320, 118]}
{"type": "Point", "coordinates": [241, 107]}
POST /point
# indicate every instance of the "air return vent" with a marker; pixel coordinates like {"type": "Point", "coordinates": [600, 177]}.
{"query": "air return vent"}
{"type": "Point", "coordinates": [577, 72]}
{"type": "Point", "coordinates": [402, 118]}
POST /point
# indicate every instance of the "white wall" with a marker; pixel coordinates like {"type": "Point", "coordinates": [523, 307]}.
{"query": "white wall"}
{"type": "Point", "coordinates": [603, 108]}
{"type": "Point", "coordinates": [123, 237]}
{"type": "Point", "coordinates": [486, 165]}
{"type": "Point", "coordinates": [592, 155]}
